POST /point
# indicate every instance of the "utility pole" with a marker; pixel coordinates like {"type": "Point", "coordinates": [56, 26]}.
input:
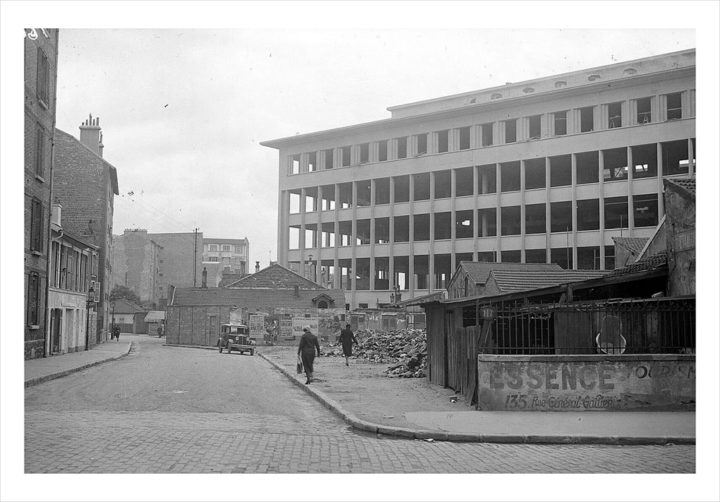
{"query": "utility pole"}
{"type": "Point", "coordinates": [195, 260]}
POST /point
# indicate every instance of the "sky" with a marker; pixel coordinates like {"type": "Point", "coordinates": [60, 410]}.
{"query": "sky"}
{"type": "Point", "coordinates": [183, 110]}
{"type": "Point", "coordinates": [185, 91]}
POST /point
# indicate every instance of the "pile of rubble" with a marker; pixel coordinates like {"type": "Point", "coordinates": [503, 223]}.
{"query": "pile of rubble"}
{"type": "Point", "coordinates": [404, 350]}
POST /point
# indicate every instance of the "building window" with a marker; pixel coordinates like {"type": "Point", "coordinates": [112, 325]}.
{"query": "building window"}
{"type": "Point", "coordinates": [588, 214]}
{"type": "Point", "coordinates": [238, 249]}
{"type": "Point", "coordinates": [36, 225]}
{"type": "Point", "coordinates": [644, 159]}
{"type": "Point", "coordinates": [487, 134]}
{"type": "Point", "coordinates": [534, 173]}
{"type": "Point", "coordinates": [674, 106]}
{"type": "Point", "coordinates": [213, 247]}
{"type": "Point", "coordinates": [511, 131]}
{"type": "Point", "coordinates": [464, 133]}
{"type": "Point", "coordinates": [560, 171]}
{"type": "Point", "coordinates": [401, 148]}
{"type": "Point", "coordinates": [364, 153]}
{"type": "Point", "coordinates": [645, 208]}
{"type": "Point", "coordinates": [616, 212]}
{"type": "Point", "coordinates": [614, 115]}
{"type": "Point", "coordinates": [328, 159]}
{"type": "Point", "coordinates": [443, 141]}
{"type": "Point", "coordinates": [226, 247]}
{"type": "Point", "coordinates": [615, 165]}
{"type": "Point", "coordinates": [382, 151]}
{"type": "Point", "coordinates": [561, 216]}
{"type": "Point", "coordinates": [534, 123]}
{"type": "Point", "coordinates": [421, 144]}
{"type": "Point", "coordinates": [510, 176]}
{"type": "Point", "coordinates": [587, 167]}
{"type": "Point", "coordinates": [40, 153]}
{"type": "Point", "coordinates": [560, 123]}
{"type": "Point", "coordinates": [33, 299]}
{"type": "Point", "coordinates": [586, 119]}
{"type": "Point", "coordinates": [510, 220]}
{"type": "Point", "coordinates": [535, 219]}
{"type": "Point", "coordinates": [675, 157]}
{"type": "Point", "coordinates": [443, 184]}
{"type": "Point", "coordinates": [312, 161]}
{"type": "Point", "coordinates": [644, 114]}
{"type": "Point", "coordinates": [346, 156]}
{"type": "Point", "coordinates": [295, 164]}
{"type": "Point", "coordinates": [43, 78]}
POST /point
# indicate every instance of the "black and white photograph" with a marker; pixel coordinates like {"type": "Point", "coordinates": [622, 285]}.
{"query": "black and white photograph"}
{"type": "Point", "coordinates": [301, 250]}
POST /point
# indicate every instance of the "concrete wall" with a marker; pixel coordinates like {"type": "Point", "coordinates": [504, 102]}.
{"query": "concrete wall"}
{"type": "Point", "coordinates": [586, 383]}
{"type": "Point", "coordinates": [680, 243]}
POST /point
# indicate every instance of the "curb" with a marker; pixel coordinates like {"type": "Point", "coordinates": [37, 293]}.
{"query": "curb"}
{"type": "Point", "coordinates": [53, 376]}
{"type": "Point", "coordinates": [473, 438]}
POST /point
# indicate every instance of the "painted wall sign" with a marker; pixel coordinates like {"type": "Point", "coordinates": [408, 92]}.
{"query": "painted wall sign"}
{"type": "Point", "coordinates": [586, 383]}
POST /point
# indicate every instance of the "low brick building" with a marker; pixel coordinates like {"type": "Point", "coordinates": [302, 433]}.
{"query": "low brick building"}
{"type": "Point", "coordinates": [194, 315]}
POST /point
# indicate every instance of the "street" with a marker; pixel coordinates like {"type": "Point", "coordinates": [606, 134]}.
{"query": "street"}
{"type": "Point", "coordinates": [180, 410]}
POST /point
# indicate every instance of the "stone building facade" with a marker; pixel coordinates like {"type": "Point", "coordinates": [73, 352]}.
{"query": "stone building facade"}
{"type": "Point", "coordinates": [542, 171]}
{"type": "Point", "coordinates": [85, 184]}
{"type": "Point", "coordinates": [40, 74]}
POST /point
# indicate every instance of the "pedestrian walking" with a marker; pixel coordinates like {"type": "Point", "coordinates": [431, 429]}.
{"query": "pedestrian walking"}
{"type": "Point", "coordinates": [347, 338]}
{"type": "Point", "coordinates": [306, 350]}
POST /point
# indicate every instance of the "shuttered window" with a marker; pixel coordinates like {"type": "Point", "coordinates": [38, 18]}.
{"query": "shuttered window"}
{"type": "Point", "coordinates": [33, 300]}
{"type": "Point", "coordinates": [43, 77]}
{"type": "Point", "coordinates": [36, 226]}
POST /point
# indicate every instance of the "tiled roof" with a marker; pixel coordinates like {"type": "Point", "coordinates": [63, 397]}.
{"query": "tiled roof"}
{"type": "Point", "coordinates": [155, 315]}
{"type": "Point", "coordinates": [275, 276]}
{"type": "Point", "coordinates": [632, 244]}
{"type": "Point", "coordinates": [653, 262]}
{"type": "Point", "coordinates": [511, 281]}
{"type": "Point", "coordinates": [687, 184]}
{"type": "Point", "coordinates": [254, 299]}
{"type": "Point", "coordinates": [480, 271]}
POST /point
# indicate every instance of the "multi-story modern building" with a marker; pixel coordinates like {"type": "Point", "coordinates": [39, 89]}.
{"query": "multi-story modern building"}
{"type": "Point", "coordinates": [227, 253]}
{"type": "Point", "coordinates": [85, 185]}
{"type": "Point", "coordinates": [543, 171]}
{"type": "Point", "coordinates": [41, 52]}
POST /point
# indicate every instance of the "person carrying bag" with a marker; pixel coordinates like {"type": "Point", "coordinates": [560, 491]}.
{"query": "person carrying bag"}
{"type": "Point", "coordinates": [299, 365]}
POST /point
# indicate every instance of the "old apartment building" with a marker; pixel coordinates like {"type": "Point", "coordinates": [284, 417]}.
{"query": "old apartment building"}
{"type": "Point", "coordinates": [230, 255]}
{"type": "Point", "coordinates": [85, 185]}
{"type": "Point", "coordinates": [543, 171]}
{"type": "Point", "coordinates": [40, 74]}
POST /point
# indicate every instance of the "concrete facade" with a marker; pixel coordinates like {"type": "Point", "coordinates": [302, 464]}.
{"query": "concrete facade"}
{"type": "Point", "coordinates": [221, 254]}
{"type": "Point", "coordinates": [40, 74]}
{"type": "Point", "coordinates": [181, 260]}
{"type": "Point", "coordinates": [543, 171]}
{"type": "Point", "coordinates": [71, 306]}
{"type": "Point", "coordinates": [85, 184]}
{"type": "Point", "coordinates": [136, 264]}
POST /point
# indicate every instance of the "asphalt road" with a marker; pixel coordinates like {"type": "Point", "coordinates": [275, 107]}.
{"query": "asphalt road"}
{"type": "Point", "coordinates": [180, 410]}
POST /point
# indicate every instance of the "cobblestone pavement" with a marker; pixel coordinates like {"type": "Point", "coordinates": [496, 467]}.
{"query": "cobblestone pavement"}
{"type": "Point", "coordinates": [138, 415]}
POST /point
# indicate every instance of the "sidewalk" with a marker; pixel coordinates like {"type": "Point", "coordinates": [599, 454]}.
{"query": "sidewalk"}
{"type": "Point", "coordinates": [415, 408]}
{"type": "Point", "coordinates": [48, 368]}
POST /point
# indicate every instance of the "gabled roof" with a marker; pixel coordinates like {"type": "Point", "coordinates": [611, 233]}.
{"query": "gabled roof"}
{"type": "Point", "coordinates": [125, 306]}
{"type": "Point", "coordinates": [632, 244]}
{"type": "Point", "coordinates": [510, 281]}
{"type": "Point", "coordinates": [479, 271]}
{"type": "Point", "coordinates": [654, 262]}
{"type": "Point", "coordinates": [683, 185]}
{"type": "Point", "coordinates": [253, 299]}
{"type": "Point", "coordinates": [274, 277]}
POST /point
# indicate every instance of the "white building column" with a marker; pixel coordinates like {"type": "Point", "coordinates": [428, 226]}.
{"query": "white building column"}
{"type": "Point", "coordinates": [301, 239]}
{"type": "Point", "coordinates": [411, 235]}
{"type": "Point", "coordinates": [631, 177]}
{"type": "Point", "coordinates": [498, 211]}
{"type": "Point", "coordinates": [337, 275]}
{"type": "Point", "coordinates": [661, 202]}
{"type": "Point", "coordinates": [691, 158]}
{"type": "Point", "coordinates": [476, 224]}
{"type": "Point", "coordinates": [573, 207]}
{"type": "Point", "coordinates": [453, 220]}
{"type": "Point", "coordinates": [391, 226]}
{"type": "Point", "coordinates": [372, 235]}
{"type": "Point", "coordinates": [431, 254]}
{"type": "Point", "coordinates": [548, 214]}
{"type": "Point", "coordinates": [318, 234]}
{"type": "Point", "coordinates": [601, 206]}
{"type": "Point", "coordinates": [522, 211]}
{"type": "Point", "coordinates": [353, 237]}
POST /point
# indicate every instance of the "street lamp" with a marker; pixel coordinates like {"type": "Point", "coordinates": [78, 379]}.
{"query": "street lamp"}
{"type": "Point", "coordinates": [88, 307]}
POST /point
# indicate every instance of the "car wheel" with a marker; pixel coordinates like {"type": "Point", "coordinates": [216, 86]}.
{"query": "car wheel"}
{"type": "Point", "coordinates": [229, 349]}
{"type": "Point", "coordinates": [252, 352]}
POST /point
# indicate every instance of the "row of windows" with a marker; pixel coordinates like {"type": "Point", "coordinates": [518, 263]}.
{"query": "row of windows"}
{"type": "Point", "coordinates": [71, 268]}
{"type": "Point", "coordinates": [225, 247]}
{"type": "Point", "coordinates": [675, 160]}
{"type": "Point", "coordinates": [588, 258]}
{"type": "Point", "coordinates": [616, 213]}
{"type": "Point", "coordinates": [559, 123]}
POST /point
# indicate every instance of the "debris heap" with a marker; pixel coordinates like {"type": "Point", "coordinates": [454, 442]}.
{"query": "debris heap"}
{"type": "Point", "coordinates": [404, 350]}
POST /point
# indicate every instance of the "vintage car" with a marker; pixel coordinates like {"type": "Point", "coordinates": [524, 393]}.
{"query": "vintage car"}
{"type": "Point", "coordinates": [237, 337]}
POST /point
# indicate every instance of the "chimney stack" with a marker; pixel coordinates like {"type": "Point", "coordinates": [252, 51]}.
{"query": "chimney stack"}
{"type": "Point", "coordinates": [257, 266]}
{"type": "Point", "coordinates": [91, 135]}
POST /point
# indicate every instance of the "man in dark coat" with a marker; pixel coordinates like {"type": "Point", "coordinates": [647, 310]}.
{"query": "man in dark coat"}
{"type": "Point", "coordinates": [306, 351]}
{"type": "Point", "coordinates": [347, 338]}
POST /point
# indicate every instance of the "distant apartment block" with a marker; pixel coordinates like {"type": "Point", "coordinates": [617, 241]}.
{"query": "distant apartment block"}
{"type": "Point", "coordinates": [544, 171]}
